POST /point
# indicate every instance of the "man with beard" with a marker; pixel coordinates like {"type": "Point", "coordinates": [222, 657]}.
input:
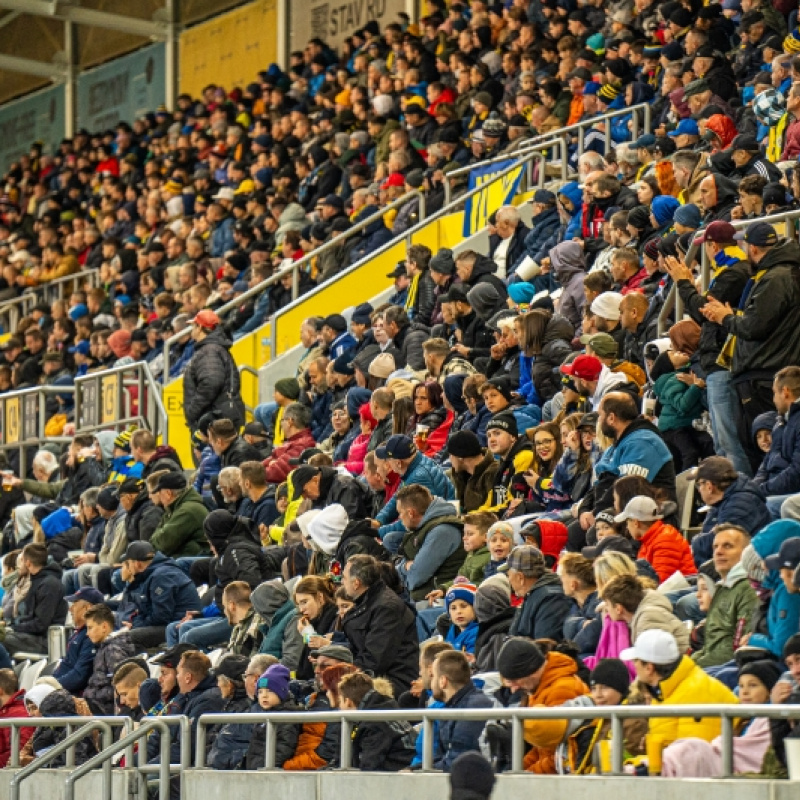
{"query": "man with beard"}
{"type": "Point", "coordinates": [638, 449]}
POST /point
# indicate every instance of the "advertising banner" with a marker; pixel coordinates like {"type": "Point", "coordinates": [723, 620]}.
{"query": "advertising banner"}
{"type": "Point", "coordinates": [497, 193]}
{"type": "Point", "coordinates": [37, 117]}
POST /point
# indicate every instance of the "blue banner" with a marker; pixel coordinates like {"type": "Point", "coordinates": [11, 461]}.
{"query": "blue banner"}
{"type": "Point", "coordinates": [39, 117]}
{"type": "Point", "coordinates": [498, 193]}
{"type": "Point", "coordinates": [123, 89]}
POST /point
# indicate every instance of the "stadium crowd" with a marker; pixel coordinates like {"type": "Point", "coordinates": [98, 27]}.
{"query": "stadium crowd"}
{"type": "Point", "coordinates": [471, 496]}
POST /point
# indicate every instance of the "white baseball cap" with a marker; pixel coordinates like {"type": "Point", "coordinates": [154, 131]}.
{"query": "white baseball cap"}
{"type": "Point", "coordinates": [654, 646]}
{"type": "Point", "coordinates": [225, 193]}
{"type": "Point", "coordinates": [641, 508]}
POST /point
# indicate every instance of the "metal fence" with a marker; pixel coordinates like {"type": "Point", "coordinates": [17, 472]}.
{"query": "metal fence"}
{"type": "Point", "coordinates": [515, 716]}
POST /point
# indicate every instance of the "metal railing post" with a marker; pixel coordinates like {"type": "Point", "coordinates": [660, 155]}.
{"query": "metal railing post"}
{"type": "Point", "coordinates": [346, 745]}
{"type": "Point", "coordinates": [617, 745]}
{"type": "Point", "coordinates": [517, 744]}
{"type": "Point", "coordinates": [427, 744]}
{"type": "Point", "coordinates": [727, 745]}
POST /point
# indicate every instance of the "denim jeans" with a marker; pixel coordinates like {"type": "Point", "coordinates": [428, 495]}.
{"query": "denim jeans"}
{"type": "Point", "coordinates": [69, 580]}
{"type": "Point", "coordinates": [203, 633]}
{"type": "Point", "coordinates": [775, 502]}
{"type": "Point", "coordinates": [722, 405]}
{"type": "Point", "coordinates": [265, 414]}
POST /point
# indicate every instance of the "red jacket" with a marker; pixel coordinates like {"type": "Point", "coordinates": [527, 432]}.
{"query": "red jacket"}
{"type": "Point", "coordinates": [278, 466]}
{"type": "Point", "coordinates": [554, 538]}
{"type": "Point", "coordinates": [437, 438]}
{"type": "Point", "coordinates": [15, 707]}
{"type": "Point", "coordinates": [634, 283]}
{"type": "Point", "coordinates": [791, 141]}
{"type": "Point", "coordinates": [667, 551]}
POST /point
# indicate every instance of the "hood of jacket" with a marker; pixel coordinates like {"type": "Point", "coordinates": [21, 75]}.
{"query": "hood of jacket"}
{"type": "Point", "coordinates": [492, 598]}
{"type": "Point", "coordinates": [267, 598]}
{"type": "Point", "coordinates": [558, 328]}
{"type": "Point", "coordinates": [23, 515]}
{"type": "Point", "coordinates": [738, 573]}
{"type": "Point", "coordinates": [785, 252]}
{"type": "Point", "coordinates": [727, 193]}
{"type": "Point", "coordinates": [567, 259]}
{"type": "Point", "coordinates": [768, 540]}
{"type": "Point", "coordinates": [740, 485]}
{"type": "Point", "coordinates": [59, 703]}
{"type": "Point", "coordinates": [654, 599]}
{"type": "Point", "coordinates": [375, 699]}
{"type": "Point", "coordinates": [572, 191]}
{"type": "Point", "coordinates": [50, 569]}
{"type": "Point", "coordinates": [165, 451]}
{"type": "Point", "coordinates": [438, 508]}
{"type": "Point", "coordinates": [764, 422]}
{"type": "Point", "coordinates": [294, 212]}
{"type": "Point", "coordinates": [483, 266]}
{"type": "Point", "coordinates": [218, 337]}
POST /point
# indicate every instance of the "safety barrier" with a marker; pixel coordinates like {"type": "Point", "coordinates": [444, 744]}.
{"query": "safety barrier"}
{"type": "Point", "coordinates": [164, 768]}
{"type": "Point", "coordinates": [23, 418]}
{"type": "Point", "coordinates": [119, 397]}
{"type": "Point", "coordinates": [673, 299]}
{"type": "Point", "coordinates": [516, 716]}
{"type": "Point", "coordinates": [11, 311]}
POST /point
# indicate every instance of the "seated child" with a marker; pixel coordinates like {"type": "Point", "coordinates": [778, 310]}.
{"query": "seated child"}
{"type": "Point", "coordinates": [110, 651]}
{"type": "Point", "coordinates": [463, 630]}
{"type": "Point", "coordinates": [500, 543]}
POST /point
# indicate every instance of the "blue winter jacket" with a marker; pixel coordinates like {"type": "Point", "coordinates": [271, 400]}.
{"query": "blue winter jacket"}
{"type": "Point", "coordinates": [744, 503]}
{"type": "Point", "coordinates": [463, 641]}
{"type": "Point", "coordinates": [222, 238]}
{"type": "Point", "coordinates": [425, 472]}
{"type": "Point", "coordinates": [788, 445]}
{"type": "Point", "coordinates": [783, 614]}
{"type": "Point", "coordinates": [774, 462]}
{"type": "Point", "coordinates": [460, 736]}
{"type": "Point", "coordinates": [163, 593]}
{"type": "Point", "coordinates": [543, 226]}
{"type": "Point", "coordinates": [477, 423]}
{"type": "Point", "coordinates": [75, 669]}
{"type": "Point", "coordinates": [259, 317]}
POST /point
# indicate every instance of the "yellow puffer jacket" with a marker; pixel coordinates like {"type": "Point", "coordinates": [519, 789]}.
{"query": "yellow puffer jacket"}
{"type": "Point", "coordinates": [689, 685]}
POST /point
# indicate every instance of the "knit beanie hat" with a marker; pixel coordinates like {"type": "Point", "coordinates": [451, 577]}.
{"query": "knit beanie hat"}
{"type": "Point", "coordinates": [365, 413]}
{"type": "Point", "coordinates": [382, 366]}
{"type": "Point", "coordinates": [123, 440]}
{"type": "Point", "coordinates": [792, 646]}
{"type": "Point", "coordinates": [288, 387]}
{"type": "Point", "coordinates": [503, 528]}
{"type": "Point", "coordinates": [753, 565]}
{"type": "Point", "coordinates": [443, 262]}
{"type": "Point", "coordinates": [688, 215]}
{"type": "Point", "coordinates": [461, 591]}
{"type": "Point", "coordinates": [493, 597]}
{"type": "Point", "coordinates": [276, 679]}
{"type": "Point", "coordinates": [651, 249]}
{"type": "Point", "coordinates": [613, 673]}
{"type": "Point", "coordinates": [37, 693]}
{"type": "Point", "coordinates": [108, 499]}
{"type": "Point", "coordinates": [471, 776]}
{"type": "Point", "coordinates": [464, 444]}
{"type": "Point", "coordinates": [519, 658]}
{"type": "Point", "coordinates": [521, 293]}
{"type": "Point", "coordinates": [663, 208]}
{"type": "Point", "coordinates": [218, 526]}
{"type": "Point", "coordinates": [326, 528]}
{"type": "Point", "coordinates": [768, 672]}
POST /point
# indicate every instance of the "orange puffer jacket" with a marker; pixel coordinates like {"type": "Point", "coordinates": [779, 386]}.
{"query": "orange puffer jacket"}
{"type": "Point", "coordinates": [667, 551]}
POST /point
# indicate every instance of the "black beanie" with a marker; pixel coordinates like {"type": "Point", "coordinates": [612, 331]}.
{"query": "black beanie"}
{"type": "Point", "coordinates": [443, 262]}
{"type": "Point", "coordinates": [613, 673]}
{"type": "Point", "coordinates": [792, 646]}
{"type": "Point", "coordinates": [218, 526]}
{"type": "Point", "coordinates": [519, 658]}
{"type": "Point", "coordinates": [108, 499]}
{"type": "Point", "coordinates": [464, 444]}
{"type": "Point", "coordinates": [149, 694]}
{"type": "Point", "coordinates": [768, 672]}
{"type": "Point", "coordinates": [471, 775]}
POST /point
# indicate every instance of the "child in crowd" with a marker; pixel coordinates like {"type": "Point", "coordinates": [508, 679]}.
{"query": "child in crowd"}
{"type": "Point", "coordinates": [460, 603]}
{"type": "Point", "coordinates": [110, 651]}
{"type": "Point", "coordinates": [272, 694]}
{"type": "Point", "coordinates": [500, 544]}
{"type": "Point", "coordinates": [604, 525]}
{"type": "Point", "coordinates": [344, 603]}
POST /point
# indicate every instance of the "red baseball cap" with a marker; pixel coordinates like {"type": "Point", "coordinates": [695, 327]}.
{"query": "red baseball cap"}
{"type": "Point", "coordinates": [207, 319]}
{"type": "Point", "coordinates": [395, 179]}
{"type": "Point", "coordinates": [587, 368]}
{"type": "Point", "coordinates": [718, 231]}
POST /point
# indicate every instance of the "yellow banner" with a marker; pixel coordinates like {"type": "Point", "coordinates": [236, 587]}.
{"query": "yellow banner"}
{"type": "Point", "coordinates": [229, 50]}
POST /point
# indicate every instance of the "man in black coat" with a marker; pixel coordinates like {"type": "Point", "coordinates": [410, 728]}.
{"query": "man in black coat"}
{"type": "Point", "coordinates": [476, 338]}
{"type": "Point", "coordinates": [211, 380]}
{"type": "Point", "coordinates": [231, 448]}
{"type": "Point", "coordinates": [142, 515]}
{"type": "Point", "coordinates": [325, 486]}
{"type": "Point", "coordinates": [44, 605]}
{"type": "Point", "coordinates": [380, 627]}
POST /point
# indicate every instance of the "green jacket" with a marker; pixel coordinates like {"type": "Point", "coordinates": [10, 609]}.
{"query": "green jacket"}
{"type": "Point", "coordinates": [48, 490]}
{"type": "Point", "coordinates": [728, 618]}
{"type": "Point", "coordinates": [472, 568]}
{"type": "Point", "coordinates": [180, 532]}
{"type": "Point", "coordinates": [680, 404]}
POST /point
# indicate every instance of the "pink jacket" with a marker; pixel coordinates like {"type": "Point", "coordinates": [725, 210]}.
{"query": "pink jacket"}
{"type": "Point", "coordinates": [357, 454]}
{"type": "Point", "coordinates": [614, 638]}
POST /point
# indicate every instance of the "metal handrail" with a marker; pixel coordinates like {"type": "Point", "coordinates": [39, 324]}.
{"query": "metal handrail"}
{"type": "Point", "coordinates": [67, 744]}
{"type": "Point", "coordinates": [145, 380]}
{"type": "Point", "coordinates": [519, 157]}
{"type": "Point", "coordinates": [517, 716]}
{"type": "Point", "coordinates": [583, 125]}
{"type": "Point", "coordinates": [673, 298]}
{"type": "Point", "coordinates": [109, 751]}
{"type": "Point", "coordinates": [448, 208]}
{"type": "Point", "coordinates": [294, 269]}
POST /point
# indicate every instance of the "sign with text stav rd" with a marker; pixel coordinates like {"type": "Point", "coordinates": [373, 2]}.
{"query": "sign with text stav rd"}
{"type": "Point", "coordinates": [123, 89]}
{"type": "Point", "coordinates": [334, 20]}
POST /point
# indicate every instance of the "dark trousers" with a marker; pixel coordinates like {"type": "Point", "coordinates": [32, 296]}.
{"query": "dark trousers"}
{"type": "Point", "coordinates": [755, 398]}
{"type": "Point", "coordinates": [150, 637]}
{"type": "Point", "coordinates": [688, 447]}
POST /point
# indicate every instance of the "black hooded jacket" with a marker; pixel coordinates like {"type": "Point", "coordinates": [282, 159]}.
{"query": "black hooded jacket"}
{"type": "Point", "coordinates": [483, 271]}
{"type": "Point", "coordinates": [360, 538]}
{"type": "Point", "coordinates": [348, 492]}
{"type": "Point", "coordinates": [727, 198]}
{"type": "Point", "coordinates": [143, 518]}
{"type": "Point", "coordinates": [766, 334]}
{"type": "Point", "coordinates": [44, 604]}
{"type": "Point", "coordinates": [382, 746]}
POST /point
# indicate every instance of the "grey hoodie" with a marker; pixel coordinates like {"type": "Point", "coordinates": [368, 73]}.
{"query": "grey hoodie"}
{"type": "Point", "coordinates": [569, 269]}
{"type": "Point", "coordinates": [267, 598]}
